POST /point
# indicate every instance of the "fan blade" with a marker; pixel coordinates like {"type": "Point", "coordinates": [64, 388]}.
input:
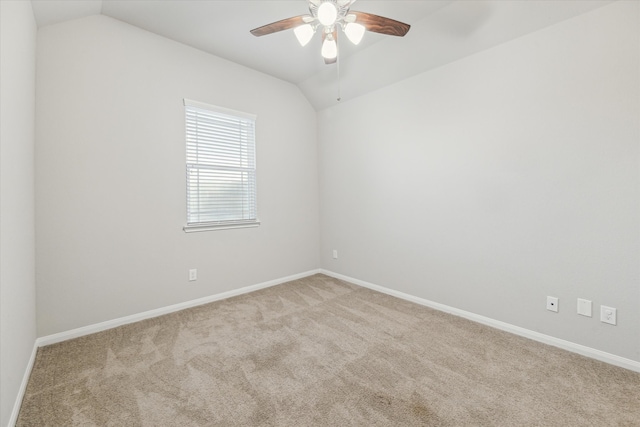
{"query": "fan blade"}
{"type": "Point", "coordinates": [380, 24]}
{"type": "Point", "coordinates": [335, 37]}
{"type": "Point", "coordinates": [281, 25]}
{"type": "Point", "coordinates": [330, 61]}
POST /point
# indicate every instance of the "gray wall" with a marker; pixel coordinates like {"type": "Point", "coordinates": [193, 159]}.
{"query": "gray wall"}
{"type": "Point", "coordinates": [486, 184]}
{"type": "Point", "coordinates": [17, 277]}
{"type": "Point", "coordinates": [494, 181]}
{"type": "Point", "coordinates": [110, 175]}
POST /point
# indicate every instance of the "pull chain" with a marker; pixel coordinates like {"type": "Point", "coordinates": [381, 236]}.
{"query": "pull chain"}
{"type": "Point", "coordinates": [338, 68]}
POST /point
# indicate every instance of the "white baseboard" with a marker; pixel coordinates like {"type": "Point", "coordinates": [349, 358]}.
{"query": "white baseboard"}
{"type": "Point", "coordinates": [517, 330]}
{"type": "Point", "coordinates": [23, 387]}
{"type": "Point", "coordinates": [98, 327]}
{"type": "Point", "coordinates": [109, 324]}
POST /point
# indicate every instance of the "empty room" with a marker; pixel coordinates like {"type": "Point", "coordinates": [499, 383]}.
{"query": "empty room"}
{"type": "Point", "coordinates": [320, 213]}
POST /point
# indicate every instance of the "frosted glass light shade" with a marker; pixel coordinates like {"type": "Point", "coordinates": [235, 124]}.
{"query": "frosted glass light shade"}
{"type": "Point", "coordinates": [354, 32]}
{"type": "Point", "coordinates": [304, 33]}
{"type": "Point", "coordinates": [327, 13]}
{"type": "Point", "coordinates": [329, 49]}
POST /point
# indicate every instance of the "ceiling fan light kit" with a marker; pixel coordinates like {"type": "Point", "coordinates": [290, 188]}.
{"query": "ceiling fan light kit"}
{"type": "Point", "coordinates": [327, 13]}
{"type": "Point", "coordinates": [329, 48]}
{"type": "Point", "coordinates": [330, 14]}
{"type": "Point", "coordinates": [354, 32]}
{"type": "Point", "coordinates": [304, 34]}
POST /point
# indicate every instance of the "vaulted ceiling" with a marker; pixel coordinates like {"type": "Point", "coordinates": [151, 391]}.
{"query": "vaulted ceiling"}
{"type": "Point", "coordinates": [442, 31]}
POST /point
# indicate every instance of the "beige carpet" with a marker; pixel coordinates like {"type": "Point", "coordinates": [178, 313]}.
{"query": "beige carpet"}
{"type": "Point", "coordinates": [321, 352]}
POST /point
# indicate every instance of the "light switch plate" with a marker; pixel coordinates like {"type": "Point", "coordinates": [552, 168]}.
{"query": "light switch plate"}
{"type": "Point", "coordinates": [584, 307]}
{"type": "Point", "coordinates": [608, 315]}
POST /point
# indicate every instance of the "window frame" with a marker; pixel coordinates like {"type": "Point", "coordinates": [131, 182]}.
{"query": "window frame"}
{"type": "Point", "coordinates": [190, 227]}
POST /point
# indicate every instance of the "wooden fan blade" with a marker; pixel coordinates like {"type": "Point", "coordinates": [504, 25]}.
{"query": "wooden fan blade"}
{"type": "Point", "coordinates": [330, 61]}
{"type": "Point", "coordinates": [281, 25]}
{"type": "Point", "coordinates": [380, 24]}
{"type": "Point", "coordinates": [335, 37]}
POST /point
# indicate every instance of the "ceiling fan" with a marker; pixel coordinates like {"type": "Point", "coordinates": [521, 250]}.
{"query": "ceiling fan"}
{"type": "Point", "coordinates": [328, 15]}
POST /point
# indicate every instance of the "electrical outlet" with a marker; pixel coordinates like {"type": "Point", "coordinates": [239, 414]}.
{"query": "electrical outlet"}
{"type": "Point", "coordinates": [584, 307]}
{"type": "Point", "coordinates": [335, 254]}
{"type": "Point", "coordinates": [552, 304]}
{"type": "Point", "coordinates": [608, 314]}
{"type": "Point", "coordinates": [193, 274]}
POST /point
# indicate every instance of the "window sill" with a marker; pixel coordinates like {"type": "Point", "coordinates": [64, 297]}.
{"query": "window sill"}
{"type": "Point", "coordinates": [194, 228]}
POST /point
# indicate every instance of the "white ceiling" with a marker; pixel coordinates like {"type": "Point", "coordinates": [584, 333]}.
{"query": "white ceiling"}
{"type": "Point", "coordinates": [441, 31]}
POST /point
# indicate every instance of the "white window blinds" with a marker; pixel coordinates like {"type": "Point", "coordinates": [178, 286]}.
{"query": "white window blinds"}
{"type": "Point", "coordinates": [221, 168]}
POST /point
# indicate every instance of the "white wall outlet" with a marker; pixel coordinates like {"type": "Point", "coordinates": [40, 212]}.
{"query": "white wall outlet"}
{"type": "Point", "coordinates": [584, 307]}
{"type": "Point", "coordinates": [335, 254]}
{"type": "Point", "coordinates": [552, 304]}
{"type": "Point", "coordinates": [608, 314]}
{"type": "Point", "coordinates": [193, 274]}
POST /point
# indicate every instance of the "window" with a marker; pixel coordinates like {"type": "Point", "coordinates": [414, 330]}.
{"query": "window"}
{"type": "Point", "coordinates": [221, 168]}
